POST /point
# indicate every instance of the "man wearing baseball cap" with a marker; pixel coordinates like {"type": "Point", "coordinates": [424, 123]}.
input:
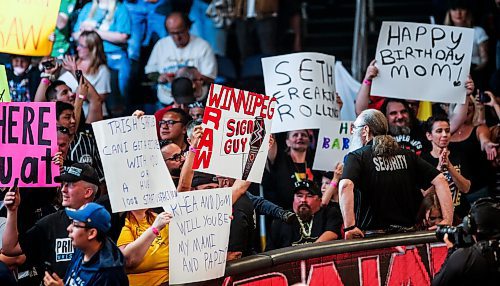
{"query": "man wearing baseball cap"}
{"type": "Point", "coordinates": [47, 240]}
{"type": "Point", "coordinates": [97, 260]}
{"type": "Point", "coordinates": [313, 223]}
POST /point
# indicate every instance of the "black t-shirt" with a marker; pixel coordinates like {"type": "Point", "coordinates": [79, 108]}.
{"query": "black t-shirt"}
{"type": "Point", "coordinates": [279, 181]}
{"type": "Point", "coordinates": [460, 203]}
{"type": "Point", "coordinates": [48, 241]}
{"type": "Point", "coordinates": [468, 266]}
{"type": "Point", "coordinates": [415, 141]}
{"type": "Point", "coordinates": [289, 234]}
{"type": "Point", "coordinates": [242, 226]}
{"type": "Point", "coordinates": [387, 189]}
{"type": "Point", "coordinates": [472, 162]}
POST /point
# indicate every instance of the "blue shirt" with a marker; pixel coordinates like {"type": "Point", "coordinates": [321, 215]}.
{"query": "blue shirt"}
{"type": "Point", "coordinates": [120, 23]}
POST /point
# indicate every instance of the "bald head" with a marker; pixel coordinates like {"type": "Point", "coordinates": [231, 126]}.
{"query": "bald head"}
{"type": "Point", "coordinates": [178, 25]}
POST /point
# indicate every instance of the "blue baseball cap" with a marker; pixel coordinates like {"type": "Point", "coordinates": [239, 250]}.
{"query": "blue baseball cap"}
{"type": "Point", "coordinates": [93, 215]}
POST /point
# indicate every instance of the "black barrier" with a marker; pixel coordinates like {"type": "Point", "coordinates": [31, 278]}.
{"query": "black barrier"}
{"type": "Point", "coordinates": [307, 251]}
{"type": "Point", "coordinates": [395, 259]}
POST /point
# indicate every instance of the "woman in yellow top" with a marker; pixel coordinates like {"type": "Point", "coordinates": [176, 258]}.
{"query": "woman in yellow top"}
{"type": "Point", "coordinates": [144, 243]}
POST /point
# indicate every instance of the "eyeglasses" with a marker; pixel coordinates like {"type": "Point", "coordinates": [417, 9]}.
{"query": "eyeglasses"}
{"type": "Point", "coordinates": [355, 127]}
{"type": "Point", "coordinates": [169, 122]}
{"type": "Point", "coordinates": [176, 157]}
{"type": "Point", "coordinates": [63, 129]}
{"type": "Point", "coordinates": [77, 225]}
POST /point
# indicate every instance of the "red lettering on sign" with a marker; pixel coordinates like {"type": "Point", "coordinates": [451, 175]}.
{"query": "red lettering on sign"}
{"type": "Point", "coordinates": [407, 269]}
{"type": "Point", "coordinates": [437, 255]}
{"type": "Point", "coordinates": [369, 268]}
{"type": "Point", "coordinates": [324, 274]}
{"type": "Point", "coordinates": [274, 279]}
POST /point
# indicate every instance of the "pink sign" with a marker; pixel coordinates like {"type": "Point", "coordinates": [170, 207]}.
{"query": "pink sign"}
{"type": "Point", "coordinates": [28, 140]}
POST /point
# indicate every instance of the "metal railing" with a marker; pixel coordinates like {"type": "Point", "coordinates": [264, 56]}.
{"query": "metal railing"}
{"type": "Point", "coordinates": [362, 21]}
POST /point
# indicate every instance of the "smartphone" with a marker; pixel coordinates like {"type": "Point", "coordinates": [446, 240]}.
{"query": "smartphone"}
{"type": "Point", "coordinates": [483, 98]}
{"type": "Point", "coordinates": [78, 74]}
{"type": "Point", "coordinates": [47, 266]}
{"type": "Point", "coordinates": [14, 187]}
{"type": "Point", "coordinates": [50, 64]}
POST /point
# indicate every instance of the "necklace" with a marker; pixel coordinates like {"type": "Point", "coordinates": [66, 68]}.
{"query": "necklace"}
{"type": "Point", "coordinates": [304, 225]}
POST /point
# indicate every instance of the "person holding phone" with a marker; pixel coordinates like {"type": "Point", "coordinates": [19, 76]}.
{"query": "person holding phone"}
{"type": "Point", "coordinates": [91, 63]}
{"type": "Point", "coordinates": [110, 19]}
{"type": "Point", "coordinates": [48, 239]}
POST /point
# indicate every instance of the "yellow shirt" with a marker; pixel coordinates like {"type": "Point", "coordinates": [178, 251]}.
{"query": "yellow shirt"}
{"type": "Point", "coordinates": [153, 270]}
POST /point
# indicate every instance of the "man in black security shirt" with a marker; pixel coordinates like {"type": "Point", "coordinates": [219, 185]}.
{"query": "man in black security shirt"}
{"type": "Point", "coordinates": [387, 179]}
{"type": "Point", "coordinates": [48, 239]}
{"type": "Point", "coordinates": [478, 264]}
{"type": "Point", "coordinates": [312, 224]}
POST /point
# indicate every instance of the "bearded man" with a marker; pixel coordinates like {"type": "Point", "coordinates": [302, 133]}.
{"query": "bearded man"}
{"type": "Point", "coordinates": [312, 223]}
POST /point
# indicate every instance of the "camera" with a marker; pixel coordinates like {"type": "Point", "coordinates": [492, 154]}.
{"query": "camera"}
{"type": "Point", "coordinates": [49, 64]}
{"type": "Point", "coordinates": [483, 98]}
{"type": "Point", "coordinates": [457, 235]}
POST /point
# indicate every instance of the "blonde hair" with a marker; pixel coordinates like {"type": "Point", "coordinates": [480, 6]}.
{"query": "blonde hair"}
{"type": "Point", "coordinates": [96, 49]}
{"type": "Point", "coordinates": [108, 20]}
{"type": "Point", "coordinates": [468, 18]}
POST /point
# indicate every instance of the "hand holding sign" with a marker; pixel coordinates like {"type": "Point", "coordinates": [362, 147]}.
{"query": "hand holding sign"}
{"type": "Point", "coordinates": [414, 60]}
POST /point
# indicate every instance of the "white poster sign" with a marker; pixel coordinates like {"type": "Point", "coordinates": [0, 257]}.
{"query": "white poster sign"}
{"type": "Point", "coordinates": [333, 144]}
{"type": "Point", "coordinates": [304, 87]}
{"type": "Point", "coordinates": [135, 173]}
{"type": "Point", "coordinates": [423, 62]}
{"type": "Point", "coordinates": [199, 235]}
{"type": "Point", "coordinates": [235, 139]}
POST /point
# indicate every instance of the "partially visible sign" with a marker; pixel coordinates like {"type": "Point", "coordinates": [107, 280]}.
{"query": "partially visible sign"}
{"type": "Point", "coordinates": [26, 25]}
{"type": "Point", "coordinates": [4, 86]}
{"type": "Point", "coordinates": [333, 145]}
{"type": "Point", "coordinates": [28, 140]}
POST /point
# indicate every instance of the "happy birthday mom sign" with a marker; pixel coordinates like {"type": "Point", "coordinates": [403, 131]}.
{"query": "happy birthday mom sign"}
{"type": "Point", "coordinates": [423, 62]}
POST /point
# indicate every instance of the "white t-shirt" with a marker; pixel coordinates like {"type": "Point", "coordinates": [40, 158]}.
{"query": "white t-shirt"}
{"type": "Point", "coordinates": [479, 37]}
{"type": "Point", "coordinates": [167, 57]}
{"type": "Point", "coordinates": [100, 80]}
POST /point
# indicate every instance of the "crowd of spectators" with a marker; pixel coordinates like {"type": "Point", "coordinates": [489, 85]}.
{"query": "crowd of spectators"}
{"type": "Point", "coordinates": [402, 174]}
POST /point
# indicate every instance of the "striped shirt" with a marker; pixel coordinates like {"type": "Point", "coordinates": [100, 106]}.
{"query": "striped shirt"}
{"type": "Point", "coordinates": [83, 149]}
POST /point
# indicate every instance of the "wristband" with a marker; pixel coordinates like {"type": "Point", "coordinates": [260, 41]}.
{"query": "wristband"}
{"type": "Point", "coordinates": [82, 96]}
{"type": "Point", "coordinates": [155, 231]}
{"type": "Point", "coordinates": [334, 184]}
{"type": "Point", "coordinates": [346, 229]}
{"type": "Point", "coordinates": [46, 81]}
{"type": "Point", "coordinates": [192, 149]}
{"type": "Point", "coordinates": [367, 82]}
